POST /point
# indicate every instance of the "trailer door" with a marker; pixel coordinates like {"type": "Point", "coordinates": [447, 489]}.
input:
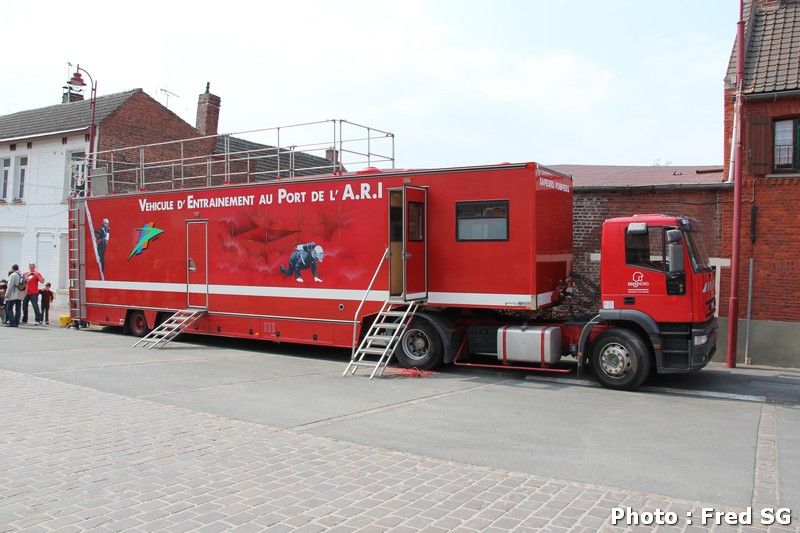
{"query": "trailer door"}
{"type": "Point", "coordinates": [415, 247]}
{"type": "Point", "coordinates": [197, 263]}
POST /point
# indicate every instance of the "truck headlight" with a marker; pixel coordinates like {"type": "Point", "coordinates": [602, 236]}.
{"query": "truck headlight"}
{"type": "Point", "coordinates": [699, 340]}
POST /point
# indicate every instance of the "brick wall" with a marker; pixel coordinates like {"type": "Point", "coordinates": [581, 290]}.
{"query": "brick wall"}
{"type": "Point", "coordinates": [142, 120]}
{"type": "Point", "coordinates": [592, 206]}
{"type": "Point", "coordinates": [776, 251]}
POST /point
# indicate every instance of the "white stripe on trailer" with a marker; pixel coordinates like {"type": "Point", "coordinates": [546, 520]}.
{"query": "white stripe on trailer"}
{"type": "Point", "coordinates": [240, 290]}
{"type": "Point", "coordinates": [479, 298]}
{"type": "Point", "coordinates": [434, 298]}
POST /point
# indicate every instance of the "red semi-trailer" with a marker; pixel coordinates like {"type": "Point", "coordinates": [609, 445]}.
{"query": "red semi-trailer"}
{"type": "Point", "coordinates": [484, 253]}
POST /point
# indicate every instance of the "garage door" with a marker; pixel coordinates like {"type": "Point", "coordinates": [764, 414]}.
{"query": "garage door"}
{"type": "Point", "coordinates": [10, 251]}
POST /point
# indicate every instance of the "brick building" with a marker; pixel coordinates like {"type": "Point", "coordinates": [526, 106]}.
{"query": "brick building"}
{"type": "Point", "coordinates": [771, 180]}
{"type": "Point", "coordinates": [37, 150]}
{"type": "Point", "coordinates": [43, 151]}
{"type": "Point", "coordinates": [770, 191]}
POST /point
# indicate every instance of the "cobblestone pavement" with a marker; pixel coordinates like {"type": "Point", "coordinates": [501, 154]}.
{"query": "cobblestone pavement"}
{"type": "Point", "coordinates": [73, 458]}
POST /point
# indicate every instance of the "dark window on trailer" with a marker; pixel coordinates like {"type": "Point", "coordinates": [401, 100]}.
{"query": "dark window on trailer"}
{"type": "Point", "coordinates": [416, 221]}
{"type": "Point", "coordinates": [646, 251]}
{"type": "Point", "coordinates": [482, 221]}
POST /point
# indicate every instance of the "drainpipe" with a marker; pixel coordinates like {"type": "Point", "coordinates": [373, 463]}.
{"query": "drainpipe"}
{"type": "Point", "coordinates": [733, 307]}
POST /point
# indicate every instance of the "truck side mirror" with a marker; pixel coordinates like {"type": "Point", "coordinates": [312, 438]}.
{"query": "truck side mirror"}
{"type": "Point", "coordinates": [675, 255]}
{"type": "Point", "coordinates": [674, 235]}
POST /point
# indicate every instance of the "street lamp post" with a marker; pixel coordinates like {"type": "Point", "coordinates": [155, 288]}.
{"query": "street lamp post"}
{"type": "Point", "coordinates": [77, 81]}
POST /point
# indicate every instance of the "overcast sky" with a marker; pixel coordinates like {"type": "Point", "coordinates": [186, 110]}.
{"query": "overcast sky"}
{"type": "Point", "coordinates": [458, 82]}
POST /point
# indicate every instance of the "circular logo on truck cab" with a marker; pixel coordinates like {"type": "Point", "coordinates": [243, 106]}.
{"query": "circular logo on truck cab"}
{"type": "Point", "coordinates": [637, 283]}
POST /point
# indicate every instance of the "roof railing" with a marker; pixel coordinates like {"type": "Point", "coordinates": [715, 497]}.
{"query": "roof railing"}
{"type": "Point", "coordinates": [336, 146]}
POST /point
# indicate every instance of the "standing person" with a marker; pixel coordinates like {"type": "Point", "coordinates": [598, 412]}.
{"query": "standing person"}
{"type": "Point", "coordinates": [47, 296]}
{"type": "Point", "coordinates": [33, 278]}
{"type": "Point", "coordinates": [14, 296]}
{"type": "Point", "coordinates": [3, 287]}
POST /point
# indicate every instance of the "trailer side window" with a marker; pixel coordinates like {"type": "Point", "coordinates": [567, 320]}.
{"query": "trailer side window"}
{"type": "Point", "coordinates": [482, 221]}
{"type": "Point", "coordinates": [646, 251]}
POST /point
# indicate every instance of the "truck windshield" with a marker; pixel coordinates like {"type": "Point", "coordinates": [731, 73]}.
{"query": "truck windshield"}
{"type": "Point", "coordinates": [697, 251]}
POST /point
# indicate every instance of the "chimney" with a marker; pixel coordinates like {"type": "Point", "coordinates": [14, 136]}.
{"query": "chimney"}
{"type": "Point", "coordinates": [332, 155]}
{"type": "Point", "coordinates": [69, 95]}
{"type": "Point", "coordinates": [208, 112]}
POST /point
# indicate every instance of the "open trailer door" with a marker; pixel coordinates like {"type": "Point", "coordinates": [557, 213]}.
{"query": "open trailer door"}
{"type": "Point", "coordinates": [415, 244]}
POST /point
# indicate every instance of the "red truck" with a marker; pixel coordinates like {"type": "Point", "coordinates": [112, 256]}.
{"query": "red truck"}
{"type": "Point", "coordinates": [440, 266]}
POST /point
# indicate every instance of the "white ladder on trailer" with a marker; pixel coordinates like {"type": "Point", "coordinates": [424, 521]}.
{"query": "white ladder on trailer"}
{"type": "Point", "coordinates": [382, 337]}
{"type": "Point", "coordinates": [75, 234]}
{"type": "Point", "coordinates": [171, 328]}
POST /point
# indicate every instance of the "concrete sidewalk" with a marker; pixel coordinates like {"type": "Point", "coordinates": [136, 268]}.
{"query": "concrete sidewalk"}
{"type": "Point", "coordinates": [684, 449]}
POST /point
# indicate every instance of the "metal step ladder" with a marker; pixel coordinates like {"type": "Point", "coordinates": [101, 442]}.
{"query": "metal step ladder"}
{"type": "Point", "coordinates": [171, 328]}
{"type": "Point", "coordinates": [382, 337]}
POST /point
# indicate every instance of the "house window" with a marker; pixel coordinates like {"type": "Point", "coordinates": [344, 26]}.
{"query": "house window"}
{"type": "Point", "coordinates": [785, 136]}
{"type": "Point", "coordinates": [21, 174]}
{"type": "Point", "coordinates": [482, 221]}
{"type": "Point", "coordinates": [6, 177]}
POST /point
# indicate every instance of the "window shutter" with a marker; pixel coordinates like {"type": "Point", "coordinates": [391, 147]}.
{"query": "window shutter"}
{"type": "Point", "coordinates": [759, 144]}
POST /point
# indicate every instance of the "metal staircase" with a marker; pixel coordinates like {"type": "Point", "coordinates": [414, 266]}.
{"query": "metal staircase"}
{"type": "Point", "coordinates": [170, 328]}
{"type": "Point", "coordinates": [382, 337]}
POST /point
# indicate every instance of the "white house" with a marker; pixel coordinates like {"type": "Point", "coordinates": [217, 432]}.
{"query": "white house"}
{"type": "Point", "coordinates": [36, 150]}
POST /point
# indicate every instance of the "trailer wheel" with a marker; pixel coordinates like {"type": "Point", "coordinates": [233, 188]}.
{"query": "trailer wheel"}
{"type": "Point", "coordinates": [137, 324]}
{"type": "Point", "coordinates": [420, 347]}
{"type": "Point", "coordinates": [620, 359]}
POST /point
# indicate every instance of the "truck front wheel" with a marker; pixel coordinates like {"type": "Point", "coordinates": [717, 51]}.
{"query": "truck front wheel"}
{"type": "Point", "coordinates": [620, 359]}
{"type": "Point", "coordinates": [420, 347]}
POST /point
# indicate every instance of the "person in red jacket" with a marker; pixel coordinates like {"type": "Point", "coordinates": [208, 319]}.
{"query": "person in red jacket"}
{"type": "Point", "coordinates": [32, 294]}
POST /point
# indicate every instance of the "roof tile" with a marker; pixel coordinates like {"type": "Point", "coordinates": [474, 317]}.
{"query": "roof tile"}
{"type": "Point", "coordinates": [60, 117]}
{"type": "Point", "coordinates": [640, 176]}
{"type": "Point", "coordinates": [773, 43]}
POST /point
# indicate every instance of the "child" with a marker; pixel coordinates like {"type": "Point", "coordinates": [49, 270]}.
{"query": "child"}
{"type": "Point", "coordinates": [3, 286]}
{"type": "Point", "coordinates": [47, 297]}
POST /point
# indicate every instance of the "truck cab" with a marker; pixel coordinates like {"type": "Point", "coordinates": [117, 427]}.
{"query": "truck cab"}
{"type": "Point", "coordinates": [657, 297]}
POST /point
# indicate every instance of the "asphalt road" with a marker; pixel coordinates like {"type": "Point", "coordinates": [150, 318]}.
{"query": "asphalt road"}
{"type": "Point", "coordinates": [691, 437]}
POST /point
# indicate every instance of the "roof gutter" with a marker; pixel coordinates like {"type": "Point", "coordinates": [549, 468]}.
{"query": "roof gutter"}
{"type": "Point", "coordinates": [773, 95]}
{"type": "Point", "coordinates": [37, 135]}
{"type": "Point", "coordinates": [645, 188]}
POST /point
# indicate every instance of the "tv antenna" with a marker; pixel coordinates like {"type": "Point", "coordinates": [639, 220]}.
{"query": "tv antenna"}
{"type": "Point", "coordinates": [168, 94]}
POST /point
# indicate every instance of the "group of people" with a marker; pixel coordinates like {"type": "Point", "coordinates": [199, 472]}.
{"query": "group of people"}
{"type": "Point", "coordinates": [19, 292]}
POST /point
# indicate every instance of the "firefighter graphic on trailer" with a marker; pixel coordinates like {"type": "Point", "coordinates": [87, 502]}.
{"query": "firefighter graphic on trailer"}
{"type": "Point", "coordinates": [102, 236]}
{"type": "Point", "coordinates": [304, 256]}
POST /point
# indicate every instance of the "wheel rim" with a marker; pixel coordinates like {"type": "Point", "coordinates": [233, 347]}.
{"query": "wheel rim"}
{"type": "Point", "coordinates": [616, 360]}
{"type": "Point", "coordinates": [416, 344]}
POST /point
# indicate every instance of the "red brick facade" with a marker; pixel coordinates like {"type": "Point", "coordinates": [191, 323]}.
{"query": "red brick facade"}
{"type": "Point", "coordinates": [776, 251]}
{"type": "Point", "coordinates": [141, 120]}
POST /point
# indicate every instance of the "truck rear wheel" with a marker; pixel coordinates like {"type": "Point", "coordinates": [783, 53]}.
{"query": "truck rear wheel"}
{"type": "Point", "coordinates": [137, 324]}
{"type": "Point", "coordinates": [420, 347]}
{"type": "Point", "coordinates": [620, 359]}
